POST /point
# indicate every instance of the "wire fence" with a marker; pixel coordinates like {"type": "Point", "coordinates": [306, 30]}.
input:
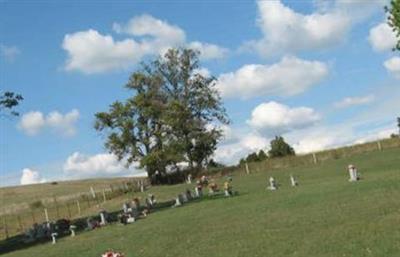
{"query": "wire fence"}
{"type": "Point", "coordinates": [19, 222]}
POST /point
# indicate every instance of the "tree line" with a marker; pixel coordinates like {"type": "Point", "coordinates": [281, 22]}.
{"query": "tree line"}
{"type": "Point", "coordinates": [278, 148]}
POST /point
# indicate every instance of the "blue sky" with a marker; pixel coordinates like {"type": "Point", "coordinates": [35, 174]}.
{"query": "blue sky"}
{"type": "Point", "coordinates": [320, 73]}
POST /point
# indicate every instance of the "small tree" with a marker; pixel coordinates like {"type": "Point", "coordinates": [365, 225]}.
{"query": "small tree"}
{"type": "Point", "coordinates": [8, 100]}
{"type": "Point", "coordinates": [394, 19]}
{"type": "Point", "coordinates": [262, 156]}
{"type": "Point", "coordinates": [280, 148]}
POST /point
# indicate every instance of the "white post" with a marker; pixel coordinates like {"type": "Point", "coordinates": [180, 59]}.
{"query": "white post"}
{"type": "Point", "coordinates": [247, 168]}
{"type": "Point", "coordinates": [92, 192]}
{"type": "Point", "coordinates": [79, 207]}
{"type": "Point", "coordinates": [46, 215]}
{"type": "Point", "coordinates": [104, 196]}
{"type": "Point", "coordinates": [315, 158]}
{"type": "Point", "coordinates": [141, 187]}
{"type": "Point", "coordinates": [379, 146]}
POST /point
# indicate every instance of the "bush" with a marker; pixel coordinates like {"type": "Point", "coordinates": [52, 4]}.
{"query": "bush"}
{"type": "Point", "coordinates": [36, 204]}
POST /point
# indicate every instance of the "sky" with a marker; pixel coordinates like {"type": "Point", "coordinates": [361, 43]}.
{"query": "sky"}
{"type": "Point", "coordinates": [320, 73]}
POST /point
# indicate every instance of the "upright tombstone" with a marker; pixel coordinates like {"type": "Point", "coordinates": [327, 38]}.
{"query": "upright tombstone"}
{"type": "Point", "coordinates": [293, 181]}
{"type": "Point", "coordinates": [103, 220]}
{"type": "Point", "coordinates": [352, 173]}
{"type": "Point", "coordinates": [53, 237]}
{"type": "Point", "coordinates": [272, 184]}
{"type": "Point", "coordinates": [177, 202]}
{"type": "Point", "coordinates": [189, 179]}
{"type": "Point", "coordinates": [72, 229]}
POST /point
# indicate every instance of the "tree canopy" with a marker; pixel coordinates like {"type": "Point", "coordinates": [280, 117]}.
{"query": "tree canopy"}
{"type": "Point", "coordinates": [9, 100]}
{"type": "Point", "coordinates": [171, 117]}
{"type": "Point", "coordinates": [394, 19]}
{"type": "Point", "coordinates": [280, 148]}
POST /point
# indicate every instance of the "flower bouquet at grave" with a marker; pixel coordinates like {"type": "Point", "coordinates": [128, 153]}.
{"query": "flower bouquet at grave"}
{"type": "Point", "coordinates": [111, 253]}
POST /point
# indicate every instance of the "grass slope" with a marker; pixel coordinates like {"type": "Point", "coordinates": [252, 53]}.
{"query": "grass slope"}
{"type": "Point", "coordinates": [325, 216]}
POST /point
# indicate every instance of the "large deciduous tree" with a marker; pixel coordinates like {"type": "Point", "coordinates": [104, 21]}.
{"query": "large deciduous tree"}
{"type": "Point", "coordinates": [172, 116]}
{"type": "Point", "coordinates": [394, 19]}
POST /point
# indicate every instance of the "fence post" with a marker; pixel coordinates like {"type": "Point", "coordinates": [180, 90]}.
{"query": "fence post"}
{"type": "Point", "coordinates": [5, 227]}
{"type": "Point", "coordinates": [88, 201]}
{"type": "Point", "coordinates": [46, 215]}
{"type": "Point", "coordinates": [69, 211]}
{"type": "Point", "coordinates": [20, 224]}
{"type": "Point", "coordinates": [57, 210]}
{"type": "Point", "coordinates": [247, 168]}
{"type": "Point", "coordinates": [379, 146]}
{"type": "Point", "coordinates": [79, 207]}
{"type": "Point", "coordinates": [104, 196]}
{"type": "Point", "coordinates": [33, 217]}
{"type": "Point", "coordinates": [314, 158]}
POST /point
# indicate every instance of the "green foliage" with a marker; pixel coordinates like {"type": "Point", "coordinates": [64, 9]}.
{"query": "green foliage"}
{"type": "Point", "coordinates": [8, 100]}
{"type": "Point", "coordinates": [280, 148]}
{"type": "Point", "coordinates": [394, 19]}
{"type": "Point", "coordinates": [212, 164]}
{"type": "Point", "coordinates": [254, 157]}
{"type": "Point", "coordinates": [167, 119]}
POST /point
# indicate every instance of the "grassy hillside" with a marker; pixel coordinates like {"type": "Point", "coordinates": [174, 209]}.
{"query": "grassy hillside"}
{"type": "Point", "coordinates": [326, 216]}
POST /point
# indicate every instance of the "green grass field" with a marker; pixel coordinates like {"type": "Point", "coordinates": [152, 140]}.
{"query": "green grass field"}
{"type": "Point", "coordinates": [326, 216]}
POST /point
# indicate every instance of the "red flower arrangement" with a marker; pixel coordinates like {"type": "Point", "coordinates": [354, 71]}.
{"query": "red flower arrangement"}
{"type": "Point", "coordinates": [111, 253]}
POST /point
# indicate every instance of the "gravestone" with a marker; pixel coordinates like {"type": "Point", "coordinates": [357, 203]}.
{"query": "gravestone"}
{"type": "Point", "coordinates": [272, 184]}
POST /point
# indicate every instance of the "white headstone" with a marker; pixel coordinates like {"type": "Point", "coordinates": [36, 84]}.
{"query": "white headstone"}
{"type": "Point", "coordinates": [53, 237]}
{"type": "Point", "coordinates": [293, 181]}
{"type": "Point", "coordinates": [103, 219]}
{"type": "Point", "coordinates": [272, 184]}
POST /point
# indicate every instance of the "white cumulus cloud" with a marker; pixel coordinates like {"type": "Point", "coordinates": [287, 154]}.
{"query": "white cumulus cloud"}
{"type": "Point", "coordinates": [353, 101]}
{"type": "Point", "coordinates": [288, 77]}
{"type": "Point", "coordinates": [92, 52]}
{"type": "Point", "coordinates": [393, 66]}
{"type": "Point", "coordinates": [79, 165]}
{"type": "Point", "coordinates": [382, 38]}
{"type": "Point", "coordinates": [31, 177]}
{"type": "Point", "coordinates": [284, 30]}
{"type": "Point", "coordinates": [34, 122]}
{"type": "Point", "coordinates": [273, 118]}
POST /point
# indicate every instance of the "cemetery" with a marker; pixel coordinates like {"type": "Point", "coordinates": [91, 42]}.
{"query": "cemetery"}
{"type": "Point", "coordinates": [316, 188]}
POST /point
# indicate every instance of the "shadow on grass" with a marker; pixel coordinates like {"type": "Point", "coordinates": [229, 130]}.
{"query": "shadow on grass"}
{"type": "Point", "coordinates": [18, 242]}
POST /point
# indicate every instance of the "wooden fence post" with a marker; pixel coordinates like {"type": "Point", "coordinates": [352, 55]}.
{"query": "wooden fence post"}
{"type": "Point", "coordinates": [46, 215]}
{"type": "Point", "coordinates": [33, 217]}
{"type": "Point", "coordinates": [104, 196]}
{"type": "Point", "coordinates": [69, 211]}
{"type": "Point", "coordinates": [247, 169]}
{"type": "Point", "coordinates": [379, 146]}
{"type": "Point", "coordinates": [79, 207]}
{"type": "Point", "coordinates": [57, 210]}
{"type": "Point", "coordinates": [20, 224]}
{"type": "Point", "coordinates": [314, 158]}
{"type": "Point", "coordinates": [5, 227]}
